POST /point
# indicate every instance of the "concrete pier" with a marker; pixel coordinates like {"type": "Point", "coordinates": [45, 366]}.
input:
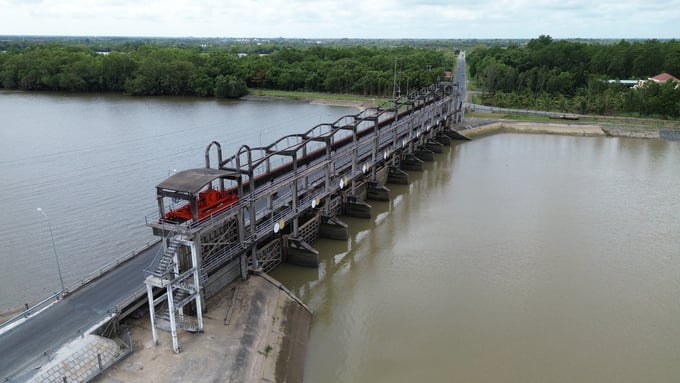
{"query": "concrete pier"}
{"type": "Point", "coordinates": [414, 162]}
{"type": "Point", "coordinates": [355, 207]}
{"type": "Point", "coordinates": [424, 154]}
{"type": "Point", "coordinates": [434, 145]}
{"type": "Point", "coordinates": [443, 138]}
{"type": "Point", "coordinates": [397, 176]}
{"type": "Point", "coordinates": [377, 192]}
{"type": "Point", "coordinates": [300, 253]}
{"type": "Point", "coordinates": [333, 228]}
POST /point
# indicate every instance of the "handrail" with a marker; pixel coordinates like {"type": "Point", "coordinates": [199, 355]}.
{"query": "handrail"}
{"type": "Point", "coordinates": [160, 253]}
{"type": "Point", "coordinates": [28, 311]}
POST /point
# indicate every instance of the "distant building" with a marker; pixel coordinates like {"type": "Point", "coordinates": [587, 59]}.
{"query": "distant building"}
{"type": "Point", "coordinates": [626, 83]}
{"type": "Point", "coordinates": [663, 78]}
{"type": "Point", "coordinates": [659, 79]}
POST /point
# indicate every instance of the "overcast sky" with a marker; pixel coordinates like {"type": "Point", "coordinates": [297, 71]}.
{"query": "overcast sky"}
{"type": "Point", "coordinates": [449, 19]}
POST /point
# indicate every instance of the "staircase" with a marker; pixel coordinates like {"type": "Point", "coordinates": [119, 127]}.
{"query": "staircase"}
{"type": "Point", "coordinates": [183, 322]}
{"type": "Point", "coordinates": [171, 286]}
{"type": "Point", "coordinates": [166, 263]}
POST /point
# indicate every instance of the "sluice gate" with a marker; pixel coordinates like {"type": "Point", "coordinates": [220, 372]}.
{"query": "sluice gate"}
{"type": "Point", "coordinates": [267, 205]}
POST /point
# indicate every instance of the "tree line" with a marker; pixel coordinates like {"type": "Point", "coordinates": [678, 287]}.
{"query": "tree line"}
{"type": "Point", "coordinates": [575, 77]}
{"type": "Point", "coordinates": [198, 70]}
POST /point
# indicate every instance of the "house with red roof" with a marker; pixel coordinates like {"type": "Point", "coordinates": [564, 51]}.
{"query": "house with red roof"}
{"type": "Point", "coordinates": [659, 79]}
{"type": "Point", "coordinates": [663, 78]}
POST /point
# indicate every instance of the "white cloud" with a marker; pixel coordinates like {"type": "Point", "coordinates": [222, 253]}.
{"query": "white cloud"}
{"type": "Point", "coordinates": [350, 18]}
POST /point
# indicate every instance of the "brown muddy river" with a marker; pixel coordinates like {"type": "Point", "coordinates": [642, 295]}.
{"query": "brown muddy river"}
{"type": "Point", "coordinates": [512, 258]}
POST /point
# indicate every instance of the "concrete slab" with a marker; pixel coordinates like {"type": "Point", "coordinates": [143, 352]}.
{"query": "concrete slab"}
{"type": "Point", "coordinates": [254, 331]}
{"type": "Point", "coordinates": [79, 360]}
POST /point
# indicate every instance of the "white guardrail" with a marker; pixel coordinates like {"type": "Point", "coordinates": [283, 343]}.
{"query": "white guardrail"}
{"type": "Point", "coordinates": [30, 310]}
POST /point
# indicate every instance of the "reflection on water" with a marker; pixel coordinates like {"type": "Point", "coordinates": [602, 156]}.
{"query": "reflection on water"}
{"type": "Point", "coordinates": [513, 258]}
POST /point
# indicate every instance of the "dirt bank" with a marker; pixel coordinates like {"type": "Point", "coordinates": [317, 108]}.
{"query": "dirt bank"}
{"type": "Point", "coordinates": [254, 331]}
{"type": "Point", "coordinates": [486, 127]}
{"type": "Point", "coordinates": [359, 105]}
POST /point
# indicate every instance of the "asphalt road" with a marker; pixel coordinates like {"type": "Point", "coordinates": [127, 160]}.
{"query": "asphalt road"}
{"type": "Point", "coordinates": [23, 347]}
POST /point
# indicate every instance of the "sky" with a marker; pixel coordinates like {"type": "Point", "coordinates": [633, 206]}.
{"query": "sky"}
{"type": "Point", "coordinates": [368, 19]}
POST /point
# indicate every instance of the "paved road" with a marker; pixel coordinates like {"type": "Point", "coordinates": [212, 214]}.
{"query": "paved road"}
{"type": "Point", "coordinates": [24, 345]}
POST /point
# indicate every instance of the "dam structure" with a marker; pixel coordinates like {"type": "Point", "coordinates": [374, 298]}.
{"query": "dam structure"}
{"type": "Point", "coordinates": [267, 205]}
{"type": "Point", "coordinates": [238, 215]}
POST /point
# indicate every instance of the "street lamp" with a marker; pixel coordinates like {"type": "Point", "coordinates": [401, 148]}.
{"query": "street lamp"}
{"type": "Point", "coordinates": [54, 247]}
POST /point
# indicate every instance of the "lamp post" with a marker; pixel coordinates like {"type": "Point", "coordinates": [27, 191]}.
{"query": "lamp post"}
{"type": "Point", "coordinates": [54, 247]}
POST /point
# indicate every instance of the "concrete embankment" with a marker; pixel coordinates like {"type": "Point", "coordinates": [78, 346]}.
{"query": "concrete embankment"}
{"type": "Point", "coordinates": [254, 331]}
{"type": "Point", "coordinates": [574, 129]}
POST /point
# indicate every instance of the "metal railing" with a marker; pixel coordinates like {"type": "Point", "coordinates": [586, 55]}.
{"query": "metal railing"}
{"type": "Point", "coordinates": [30, 310]}
{"type": "Point", "coordinates": [160, 253]}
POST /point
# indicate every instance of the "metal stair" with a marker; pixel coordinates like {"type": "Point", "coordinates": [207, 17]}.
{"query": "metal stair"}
{"type": "Point", "coordinates": [166, 263]}
{"type": "Point", "coordinates": [184, 322]}
{"type": "Point", "coordinates": [182, 285]}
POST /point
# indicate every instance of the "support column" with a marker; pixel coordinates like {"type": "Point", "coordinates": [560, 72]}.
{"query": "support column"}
{"type": "Point", "coordinates": [244, 266]}
{"type": "Point", "coordinates": [173, 320]}
{"type": "Point", "coordinates": [152, 313]}
{"type": "Point", "coordinates": [197, 286]}
{"type": "Point", "coordinates": [253, 256]}
{"type": "Point", "coordinates": [295, 191]}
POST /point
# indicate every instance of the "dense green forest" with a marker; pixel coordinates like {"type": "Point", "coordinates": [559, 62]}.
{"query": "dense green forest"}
{"type": "Point", "coordinates": [244, 45]}
{"type": "Point", "coordinates": [212, 69]}
{"type": "Point", "coordinates": [544, 74]}
{"type": "Point", "coordinates": [570, 76]}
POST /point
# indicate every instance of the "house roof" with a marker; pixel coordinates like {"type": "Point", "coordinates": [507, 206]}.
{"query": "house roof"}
{"type": "Point", "coordinates": [663, 77]}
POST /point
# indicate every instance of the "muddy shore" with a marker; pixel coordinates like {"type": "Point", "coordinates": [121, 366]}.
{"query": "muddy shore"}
{"type": "Point", "coordinates": [483, 127]}
{"type": "Point", "coordinates": [359, 105]}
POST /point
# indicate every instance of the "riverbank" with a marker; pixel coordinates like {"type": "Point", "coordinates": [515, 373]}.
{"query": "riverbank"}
{"type": "Point", "coordinates": [254, 331]}
{"type": "Point", "coordinates": [483, 127]}
{"type": "Point", "coordinates": [345, 100]}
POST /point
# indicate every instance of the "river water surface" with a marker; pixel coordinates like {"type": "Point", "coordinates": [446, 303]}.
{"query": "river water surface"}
{"type": "Point", "coordinates": [511, 258]}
